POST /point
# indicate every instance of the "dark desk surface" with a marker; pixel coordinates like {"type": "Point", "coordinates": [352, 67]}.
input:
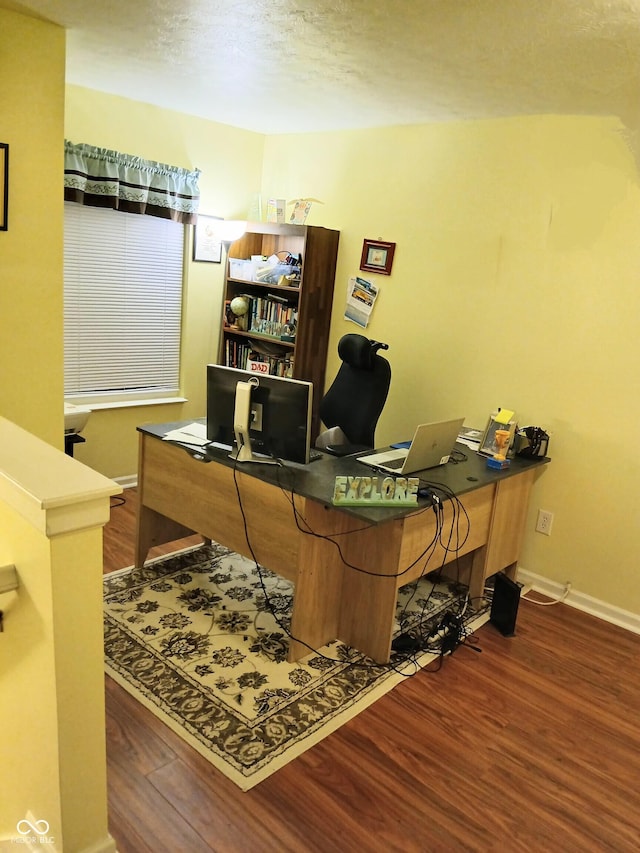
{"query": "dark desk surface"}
{"type": "Point", "coordinates": [317, 480]}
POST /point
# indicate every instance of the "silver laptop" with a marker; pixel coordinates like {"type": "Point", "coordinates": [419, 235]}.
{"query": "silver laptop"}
{"type": "Point", "coordinates": [431, 446]}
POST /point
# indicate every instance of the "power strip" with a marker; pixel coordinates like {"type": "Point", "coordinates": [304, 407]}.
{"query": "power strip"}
{"type": "Point", "coordinates": [448, 635]}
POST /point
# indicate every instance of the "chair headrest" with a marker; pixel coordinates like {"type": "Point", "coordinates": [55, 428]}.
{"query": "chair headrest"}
{"type": "Point", "coordinates": [357, 351]}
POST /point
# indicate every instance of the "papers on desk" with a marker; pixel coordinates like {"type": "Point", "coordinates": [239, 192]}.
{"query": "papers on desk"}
{"type": "Point", "coordinates": [194, 434]}
{"type": "Point", "coordinates": [470, 437]}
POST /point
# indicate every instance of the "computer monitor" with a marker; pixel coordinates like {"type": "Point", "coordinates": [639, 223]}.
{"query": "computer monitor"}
{"type": "Point", "coordinates": [270, 419]}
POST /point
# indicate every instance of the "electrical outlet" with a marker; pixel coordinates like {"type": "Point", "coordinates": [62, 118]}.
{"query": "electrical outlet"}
{"type": "Point", "coordinates": [545, 522]}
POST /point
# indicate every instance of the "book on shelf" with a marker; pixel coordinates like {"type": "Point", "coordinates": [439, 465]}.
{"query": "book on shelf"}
{"type": "Point", "coordinates": [241, 354]}
{"type": "Point", "coordinates": [271, 316]}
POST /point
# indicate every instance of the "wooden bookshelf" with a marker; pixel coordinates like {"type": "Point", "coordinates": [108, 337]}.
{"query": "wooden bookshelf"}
{"type": "Point", "coordinates": [274, 306]}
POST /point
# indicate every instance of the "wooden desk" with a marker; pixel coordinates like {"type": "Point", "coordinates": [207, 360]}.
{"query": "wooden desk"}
{"type": "Point", "coordinates": [249, 509]}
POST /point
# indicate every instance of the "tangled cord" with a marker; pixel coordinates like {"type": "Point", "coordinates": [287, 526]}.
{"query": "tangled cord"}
{"type": "Point", "coordinates": [455, 534]}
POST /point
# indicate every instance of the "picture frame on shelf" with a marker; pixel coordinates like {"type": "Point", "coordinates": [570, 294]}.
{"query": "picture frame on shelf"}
{"type": "Point", "coordinates": [4, 186]}
{"type": "Point", "coordinates": [377, 256]}
{"type": "Point", "coordinates": [207, 242]}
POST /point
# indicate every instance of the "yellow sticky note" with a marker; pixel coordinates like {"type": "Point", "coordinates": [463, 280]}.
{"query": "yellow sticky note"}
{"type": "Point", "coordinates": [504, 416]}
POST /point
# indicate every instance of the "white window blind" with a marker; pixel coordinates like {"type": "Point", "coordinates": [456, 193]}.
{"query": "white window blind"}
{"type": "Point", "coordinates": [122, 303]}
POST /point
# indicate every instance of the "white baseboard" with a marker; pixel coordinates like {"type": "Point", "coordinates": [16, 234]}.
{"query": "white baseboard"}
{"type": "Point", "coordinates": [582, 601]}
{"type": "Point", "coordinates": [128, 482]}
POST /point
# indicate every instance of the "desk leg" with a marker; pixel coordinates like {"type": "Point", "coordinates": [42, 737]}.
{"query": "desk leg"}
{"type": "Point", "coordinates": [318, 588]}
{"type": "Point", "coordinates": [155, 529]}
{"type": "Point", "coordinates": [368, 605]}
{"type": "Point", "coordinates": [502, 551]}
{"type": "Point", "coordinates": [145, 534]}
{"type": "Point", "coordinates": [477, 577]}
{"type": "Point", "coordinates": [152, 528]}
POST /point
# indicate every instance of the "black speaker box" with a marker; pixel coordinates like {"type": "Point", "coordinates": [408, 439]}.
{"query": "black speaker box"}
{"type": "Point", "coordinates": [504, 605]}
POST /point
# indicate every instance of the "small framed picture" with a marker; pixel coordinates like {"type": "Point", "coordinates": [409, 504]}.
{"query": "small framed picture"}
{"type": "Point", "coordinates": [488, 446]}
{"type": "Point", "coordinates": [377, 256]}
{"type": "Point", "coordinates": [207, 243]}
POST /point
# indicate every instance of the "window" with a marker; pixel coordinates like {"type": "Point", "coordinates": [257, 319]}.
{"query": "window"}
{"type": "Point", "coordinates": [122, 304]}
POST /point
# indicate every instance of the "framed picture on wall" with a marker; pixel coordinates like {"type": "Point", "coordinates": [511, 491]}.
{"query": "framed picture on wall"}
{"type": "Point", "coordinates": [4, 186]}
{"type": "Point", "coordinates": [377, 256]}
{"type": "Point", "coordinates": [207, 243]}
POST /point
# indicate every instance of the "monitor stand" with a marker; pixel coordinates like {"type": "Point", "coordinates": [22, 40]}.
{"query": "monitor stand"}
{"type": "Point", "coordinates": [242, 423]}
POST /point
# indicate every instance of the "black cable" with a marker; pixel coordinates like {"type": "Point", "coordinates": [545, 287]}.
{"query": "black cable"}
{"type": "Point", "coordinates": [393, 664]}
{"type": "Point", "coordinates": [267, 599]}
{"type": "Point", "coordinates": [422, 641]}
{"type": "Point", "coordinates": [437, 507]}
{"type": "Point", "coordinates": [328, 538]}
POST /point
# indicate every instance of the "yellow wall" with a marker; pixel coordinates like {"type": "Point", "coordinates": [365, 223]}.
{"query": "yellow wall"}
{"type": "Point", "coordinates": [77, 562]}
{"type": "Point", "coordinates": [515, 284]}
{"type": "Point", "coordinates": [31, 121]}
{"type": "Point", "coordinates": [51, 682]}
{"type": "Point", "coordinates": [52, 720]}
{"type": "Point", "coordinates": [28, 703]}
{"type": "Point", "coordinates": [52, 686]}
{"type": "Point", "coordinates": [231, 165]}
{"type": "Point", "coordinates": [32, 108]}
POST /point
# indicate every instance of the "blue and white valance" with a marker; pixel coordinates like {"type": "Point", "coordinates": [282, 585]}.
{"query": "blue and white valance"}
{"type": "Point", "coordinates": [102, 178]}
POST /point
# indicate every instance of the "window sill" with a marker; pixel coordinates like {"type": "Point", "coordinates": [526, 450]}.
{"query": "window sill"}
{"type": "Point", "coordinates": [123, 404]}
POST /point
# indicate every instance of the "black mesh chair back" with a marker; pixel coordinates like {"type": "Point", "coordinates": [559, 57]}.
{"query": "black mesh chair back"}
{"type": "Point", "coordinates": [352, 405]}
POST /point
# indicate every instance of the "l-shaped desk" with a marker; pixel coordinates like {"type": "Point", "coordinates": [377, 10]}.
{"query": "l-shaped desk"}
{"type": "Point", "coordinates": [283, 518]}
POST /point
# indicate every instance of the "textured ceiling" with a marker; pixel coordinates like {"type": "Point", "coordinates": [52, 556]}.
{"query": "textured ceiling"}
{"type": "Point", "coordinates": [278, 66]}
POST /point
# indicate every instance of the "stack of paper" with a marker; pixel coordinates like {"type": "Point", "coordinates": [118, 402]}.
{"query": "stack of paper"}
{"type": "Point", "coordinates": [470, 437]}
{"type": "Point", "coordinates": [193, 434]}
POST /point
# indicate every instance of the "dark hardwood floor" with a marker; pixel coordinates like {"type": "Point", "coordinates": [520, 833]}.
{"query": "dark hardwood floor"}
{"type": "Point", "coordinates": [531, 745]}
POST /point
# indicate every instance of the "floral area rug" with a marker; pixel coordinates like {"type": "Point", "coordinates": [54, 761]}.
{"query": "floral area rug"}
{"type": "Point", "coordinates": [200, 638]}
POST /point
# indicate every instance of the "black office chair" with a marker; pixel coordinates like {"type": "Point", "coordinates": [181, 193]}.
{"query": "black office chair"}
{"type": "Point", "coordinates": [351, 407]}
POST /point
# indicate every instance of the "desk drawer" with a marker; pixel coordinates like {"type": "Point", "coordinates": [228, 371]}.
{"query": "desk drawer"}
{"type": "Point", "coordinates": [460, 537]}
